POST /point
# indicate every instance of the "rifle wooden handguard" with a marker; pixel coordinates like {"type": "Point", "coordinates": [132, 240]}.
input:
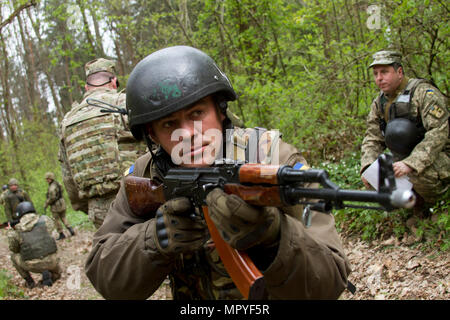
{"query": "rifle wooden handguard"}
{"type": "Point", "coordinates": [246, 276]}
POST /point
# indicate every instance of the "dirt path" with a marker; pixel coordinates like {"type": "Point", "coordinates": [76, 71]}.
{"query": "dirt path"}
{"type": "Point", "coordinates": [388, 270]}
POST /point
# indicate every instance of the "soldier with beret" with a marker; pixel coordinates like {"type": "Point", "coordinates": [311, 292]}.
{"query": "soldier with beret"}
{"type": "Point", "coordinates": [96, 146]}
{"type": "Point", "coordinates": [410, 117]}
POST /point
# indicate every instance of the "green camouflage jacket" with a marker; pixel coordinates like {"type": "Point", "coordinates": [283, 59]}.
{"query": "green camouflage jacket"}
{"type": "Point", "coordinates": [55, 197]}
{"type": "Point", "coordinates": [12, 199]}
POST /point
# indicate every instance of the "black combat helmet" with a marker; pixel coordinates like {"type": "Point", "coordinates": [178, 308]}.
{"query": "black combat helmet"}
{"type": "Point", "coordinates": [169, 80]}
{"type": "Point", "coordinates": [401, 136]}
{"type": "Point", "coordinates": [22, 209]}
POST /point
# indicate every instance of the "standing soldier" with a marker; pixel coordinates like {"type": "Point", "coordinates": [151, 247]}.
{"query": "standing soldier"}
{"type": "Point", "coordinates": [96, 146]}
{"type": "Point", "coordinates": [3, 195]}
{"type": "Point", "coordinates": [410, 117]}
{"type": "Point", "coordinates": [13, 197]}
{"type": "Point", "coordinates": [4, 191]}
{"type": "Point", "coordinates": [32, 247]}
{"type": "Point", "coordinates": [57, 204]}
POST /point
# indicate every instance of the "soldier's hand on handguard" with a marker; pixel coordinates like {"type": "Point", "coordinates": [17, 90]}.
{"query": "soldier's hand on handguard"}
{"type": "Point", "coordinates": [241, 225]}
{"type": "Point", "coordinates": [177, 230]}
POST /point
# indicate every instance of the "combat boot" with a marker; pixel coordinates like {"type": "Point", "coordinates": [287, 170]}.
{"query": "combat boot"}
{"type": "Point", "coordinates": [72, 233]}
{"type": "Point", "coordinates": [61, 236]}
{"type": "Point", "coordinates": [30, 282]}
{"type": "Point", "coordinates": [47, 278]}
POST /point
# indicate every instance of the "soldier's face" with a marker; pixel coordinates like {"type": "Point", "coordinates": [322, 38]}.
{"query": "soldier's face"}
{"type": "Point", "coordinates": [13, 187]}
{"type": "Point", "coordinates": [387, 78]}
{"type": "Point", "coordinates": [192, 136]}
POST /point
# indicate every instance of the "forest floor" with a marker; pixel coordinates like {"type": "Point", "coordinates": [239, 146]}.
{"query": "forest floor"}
{"type": "Point", "coordinates": [389, 270]}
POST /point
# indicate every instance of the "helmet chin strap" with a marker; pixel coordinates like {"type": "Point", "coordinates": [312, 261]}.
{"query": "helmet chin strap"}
{"type": "Point", "coordinates": [161, 158]}
{"type": "Point", "coordinates": [100, 85]}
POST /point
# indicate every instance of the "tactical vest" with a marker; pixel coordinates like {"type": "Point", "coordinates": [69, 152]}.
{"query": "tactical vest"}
{"type": "Point", "coordinates": [99, 147]}
{"type": "Point", "coordinates": [37, 243]}
{"type": "Point", "coordinates": [401, 107]}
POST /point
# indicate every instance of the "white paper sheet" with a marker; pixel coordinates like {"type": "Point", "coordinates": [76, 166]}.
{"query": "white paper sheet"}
{"type": "Point", "coordinates": [371, 175]}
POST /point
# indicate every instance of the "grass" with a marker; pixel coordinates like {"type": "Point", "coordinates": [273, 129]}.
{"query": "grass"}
{"type": "Point", "coordinates": [79, 219]}
{"type": "Point", "coordinates": [7, 288]}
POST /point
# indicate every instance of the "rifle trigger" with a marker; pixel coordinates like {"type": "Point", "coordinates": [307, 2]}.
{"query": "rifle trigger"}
{"type": "Point", "coordinates": [306, 216]}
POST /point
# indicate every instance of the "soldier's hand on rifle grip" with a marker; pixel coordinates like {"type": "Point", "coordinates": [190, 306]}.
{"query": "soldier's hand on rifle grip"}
{"type": "Point", "coordinates": [241, 225]}
{"type": "Point", "coordinates": [175, 229]}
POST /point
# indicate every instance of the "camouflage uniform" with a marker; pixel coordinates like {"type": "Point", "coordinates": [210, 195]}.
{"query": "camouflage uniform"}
{"type": "Point", "coordinates": [12, 199]}
{"type": "Point", "coordinates": [57, 205]}
{"type": "Point", "coordinates": [96, 148]}
{"type": "Point", "coordinates": [32, 247]}
{"type": "Point", "coordinates": [430, 159]}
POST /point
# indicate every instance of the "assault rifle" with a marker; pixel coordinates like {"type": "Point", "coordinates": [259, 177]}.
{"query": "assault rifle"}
{"type": "Point", "coordinates": [260, 185]}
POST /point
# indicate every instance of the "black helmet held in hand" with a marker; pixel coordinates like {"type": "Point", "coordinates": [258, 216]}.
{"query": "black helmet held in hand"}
{"type": "Point", "coordinates": [22, 209]}
{"type": "Point", "coordinates": [169, 80]}
{"type": "Point", "coordinates": [401, 136]}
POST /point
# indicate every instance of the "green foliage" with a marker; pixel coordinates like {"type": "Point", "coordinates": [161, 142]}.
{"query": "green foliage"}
{"type": "Point", "coordinates": [79, 220]}
{"type": "Point", "coordinates": [7, 288]}
{"type": "Point", "coordinates": [375, 224]}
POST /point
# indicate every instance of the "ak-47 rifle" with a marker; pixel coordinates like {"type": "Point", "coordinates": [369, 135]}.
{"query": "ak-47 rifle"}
{"type": "Point", "coordinates": [259, 185]}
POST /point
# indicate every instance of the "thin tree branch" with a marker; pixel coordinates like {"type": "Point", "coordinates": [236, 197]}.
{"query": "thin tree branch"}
{"type": "Point", "coordinates": [32, 3]}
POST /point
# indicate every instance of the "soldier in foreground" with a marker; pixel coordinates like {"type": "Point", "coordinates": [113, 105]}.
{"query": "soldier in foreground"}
{"type": "Point", "coordinates": [96, 147]}
{"type": "Point", "coordinates": [32, 246]}
{"type": "Point", "coordinates": [410, 117]}
{"type": "Point", "coordinates": [181, 88]}
{"type": "Point", "coordinates": [57, 205]}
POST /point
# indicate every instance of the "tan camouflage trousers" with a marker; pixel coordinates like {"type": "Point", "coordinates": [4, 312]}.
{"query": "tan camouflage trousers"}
{"type": "Point", "coordinates": [429, 184]}
{"type": "Point", "coordinates": [58, 217]}
{"type": "Point", "coordinates": [50, 263]}
{"type": "Point", "coordinates": [98, 208]}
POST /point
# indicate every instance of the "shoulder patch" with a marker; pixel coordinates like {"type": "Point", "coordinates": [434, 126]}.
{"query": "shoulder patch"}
{"type": "Point", "coordinates": [300, 166]}
{"type": "Point", "coordinates": [129, 170]}
{"type": "Point", "coordinates": [430, 91]}
{"type": "Point", "coordinates": [437, 112]}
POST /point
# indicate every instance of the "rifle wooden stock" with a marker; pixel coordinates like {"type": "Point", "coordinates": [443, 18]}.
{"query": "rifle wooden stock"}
{"type": "Point", "coordinates": [144, 197]}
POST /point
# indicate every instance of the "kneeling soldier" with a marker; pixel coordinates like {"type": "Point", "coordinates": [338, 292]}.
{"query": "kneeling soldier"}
{"type": "Point", "coordinates": [33, 248]}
